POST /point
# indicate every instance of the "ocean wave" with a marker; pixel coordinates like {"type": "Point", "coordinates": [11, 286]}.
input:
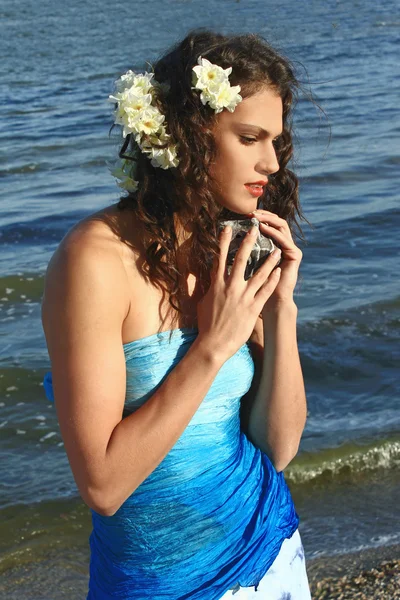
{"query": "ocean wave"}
{"type": "Point", "coordinates": [349, 462]}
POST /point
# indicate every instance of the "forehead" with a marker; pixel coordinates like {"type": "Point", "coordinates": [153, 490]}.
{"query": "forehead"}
{"type": "Point", "coordinates": [264, 109]}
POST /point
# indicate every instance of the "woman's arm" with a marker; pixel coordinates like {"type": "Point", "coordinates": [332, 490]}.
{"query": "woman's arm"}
{"type": "Point", "coordinates": [275, 407]}
{"type": "Point", "coordinates": [83, 309]}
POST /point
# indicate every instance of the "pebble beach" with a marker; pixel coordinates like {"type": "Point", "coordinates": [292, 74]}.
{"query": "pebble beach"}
{"type": "Point", "coordinates": [366, 575]}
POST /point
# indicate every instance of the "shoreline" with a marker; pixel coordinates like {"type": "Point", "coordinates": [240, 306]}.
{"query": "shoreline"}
{"type": "Point", "coordinates": [368, 574]}
{"type": "Point", "coordinates": [363, 575]}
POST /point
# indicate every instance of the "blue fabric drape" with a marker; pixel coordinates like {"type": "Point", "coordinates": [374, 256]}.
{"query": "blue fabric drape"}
{"type": "Point", "coordinates": [213, 514]}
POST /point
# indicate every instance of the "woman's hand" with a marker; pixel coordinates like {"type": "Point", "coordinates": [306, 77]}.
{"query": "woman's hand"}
{"type": "Point", "coordinates": [273, 226]}
{"type": "Point", "coordinates": [228, 312]}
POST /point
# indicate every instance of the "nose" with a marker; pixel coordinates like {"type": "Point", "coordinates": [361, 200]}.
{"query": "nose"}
{"type": "Point", "coordinates": [268, 161]}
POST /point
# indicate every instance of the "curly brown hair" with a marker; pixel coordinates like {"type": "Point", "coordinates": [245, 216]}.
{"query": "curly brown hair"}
{"type": "Point", "coordinates": [186, 190]}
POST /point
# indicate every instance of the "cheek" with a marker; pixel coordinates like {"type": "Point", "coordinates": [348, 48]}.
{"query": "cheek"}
{"type": "Point", "coordinates": [231, 163]}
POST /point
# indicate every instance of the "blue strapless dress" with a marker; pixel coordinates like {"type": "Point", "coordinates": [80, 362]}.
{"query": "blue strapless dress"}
{"type": "Point", "coordinates": [213, 514]}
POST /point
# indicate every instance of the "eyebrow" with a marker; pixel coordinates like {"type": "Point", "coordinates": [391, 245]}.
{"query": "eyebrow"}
{"type": "Point", "coordinates": [258, 129]}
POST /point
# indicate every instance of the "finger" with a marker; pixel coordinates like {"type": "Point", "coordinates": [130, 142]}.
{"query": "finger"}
{"type": "Point", "coordinates": [284, 230]}
{"type": "Point", "coordinates": [219, 263]}
{"type": "Point", "coordinates": [267, 289]}
{"type": "Point", "coordinates": [286, 243]}
{"type": "Point", "coordinates": [242, 255]}
{"type": "Point", "coordinates": [262, 274]}
{"type": "Point", "coordinates": [265, 214]}
{"type": "Point", "coordinates": [270, 217]}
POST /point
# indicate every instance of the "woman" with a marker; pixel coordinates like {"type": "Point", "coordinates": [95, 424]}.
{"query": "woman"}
{"type": "Point", "coordinates": [178, 388]}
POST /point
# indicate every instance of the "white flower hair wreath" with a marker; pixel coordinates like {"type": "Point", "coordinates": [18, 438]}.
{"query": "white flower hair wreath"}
{"type": "Point", "coordinates": [138, 115]}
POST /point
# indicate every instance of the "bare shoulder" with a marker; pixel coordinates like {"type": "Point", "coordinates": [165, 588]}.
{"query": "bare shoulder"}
{"type": "Point", "coordinates": [95, 231]}
{"type": "Point", "coordinates": [91, 247]}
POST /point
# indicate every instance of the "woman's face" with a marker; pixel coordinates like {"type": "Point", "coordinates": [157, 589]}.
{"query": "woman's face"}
{"type": "Point", "coordinates": [246, 153]}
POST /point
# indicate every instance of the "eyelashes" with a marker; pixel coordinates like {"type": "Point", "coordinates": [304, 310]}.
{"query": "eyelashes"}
{"type": "Point", "coordinates": [249, 141]}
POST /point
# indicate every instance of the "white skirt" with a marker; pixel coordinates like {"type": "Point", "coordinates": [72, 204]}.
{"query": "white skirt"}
{"type": "Point", "coordinates": [286, 577]}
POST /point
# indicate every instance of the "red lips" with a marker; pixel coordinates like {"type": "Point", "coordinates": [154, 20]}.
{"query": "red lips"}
{"type": "Point", "coordinates": [261, 182]}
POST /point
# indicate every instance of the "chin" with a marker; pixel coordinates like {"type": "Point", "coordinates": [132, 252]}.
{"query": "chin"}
{"type": "Point", "coordinates": [236, 212]}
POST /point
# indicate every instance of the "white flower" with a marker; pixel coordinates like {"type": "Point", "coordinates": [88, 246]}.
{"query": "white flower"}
{"type": "Point", "coordinates": [215, 87]}
{"type": "Point", "coordinates": [132, 98]}
{"type": "Point", "coordinates": [226, 97]}
{"type": "Point", "coordinates": [141, 81]}
{"type": "Point", "coordinates": [128, 184]}
{"type": "Point", "coordinates": [135, 111]}
{"type": "Point", "coordinates": [165, 157]}
{"type": "Point", "coordinates": [208, 75]}
{"type": "Point", "coordinates": [161, 138]}
{"type": "Point", "coordinates": [131, 105]}
{"type": "Point", "coordinates": [124, 170]}
{"type": "Point", "coordinates": [149, 121]}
